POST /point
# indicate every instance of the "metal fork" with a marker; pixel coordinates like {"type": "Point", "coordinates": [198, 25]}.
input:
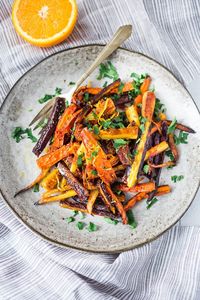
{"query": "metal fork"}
{"type": "Point", "coordinates": [123, 33]}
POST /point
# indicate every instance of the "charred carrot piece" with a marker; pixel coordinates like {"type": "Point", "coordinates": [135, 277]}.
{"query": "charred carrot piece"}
{"type": "Point", "coordinates": [133, 200]}
{"type": "Point", "coordinates": [51, 158]}
{"type": "Point", "coordinates": [97, 157]}
{"type": "Point", "coordinates": [67, 120]}
{"type": "Point", "coordinates": [91, 200]}
{"type": "Point", "coordinates": [106, 91]}
{"type": "Point", "coordinates": [37, 180]}
{"type": "Point", "coordinates": [106, 197]}
{"type": "Point", "coordinates": [138, 100]}
{"type": "Point", "coordinates": [173, 147]}
{"type": "Point", "coordinates": [145, 85]}
{"type": "Point", "coordinates": [182, 127]}
{"type": "Point", "coordinates": [118, 204]}
{"type": "Point", "coordinates": [141, 187]}
{"type": "Point", "coordinates": [165, 164]}
{"type": "Point", "coordinates": [161, 190]}
{"type": "Point", "coordinates": [148, 105]}
{"type": "Point", "coordinates": [68, 194]}
{"type": "Point", "coordinates": [156, 150]}
{"type": "Point", "coordinates": [132, 114]}
{"type": "Point", "coordinates": [120, 133]}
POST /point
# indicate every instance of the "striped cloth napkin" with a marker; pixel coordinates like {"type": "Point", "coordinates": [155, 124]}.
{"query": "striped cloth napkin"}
{"type": "Point", "coordinates": [168, 268]}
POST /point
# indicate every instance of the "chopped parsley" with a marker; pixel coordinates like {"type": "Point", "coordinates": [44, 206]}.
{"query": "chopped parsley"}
{"type": "Point", "coordinates": [142, 123]}
{"type": "Point", "coordinates": [169, 154]}
{"type": "Point", "coordinates": [107, 70]}
{"type": "Point", "coordinates": [146, 169]}
{"type": "Point", "coordinates": [94, 153]}
{"type": "Point", "coordinates": [131, 219]}
{"type": "Point", "coordinates": [75, 213]}
{"type": "Point", "coordinates": [80, 225]}
{"type": "Point", "coordinates": [152, 202]}
{"type": "Point", "coordinates": [138, 80]}
{"type": "Point", "coordinates": [66, 103]}
{"type": "Point", "coordinates": [119, 143]}
{"type": "Point", "coordinates": [181, 138]}
{"type": "Point", "coordinates": [111, 221]}
{"type": "Point", "coordinates": [120, 89]}
{"type": "Point", "coordinates": [96, 129]}
{"type": "Point", "coordinates": [135, 152]}
{"type": "Point", "coordinates": [82, 215]}
{"type": "Point", "coordinates": [105, 84]}
{"type": "Point", "coordinates": [71, 83]}
{"type": "Point", "coordinates": [36, 188]}
{"type": "Point", "coordinates": [92, 227]}
{"type": "Point", "coordinates": [70, 219]}
{"type": "Point", "coordinates": [86, 97]}
{"type": "Point", "coordinates": [19, 133]}
{"type": "Point", "coordinates": [159, 108]}
{"type": "Point", "coordinates": [106, 123]}
{"type": "Point", "coordinates": [94, 172]}
{"type": "Point", "coordinates": [47, 97]}
{"type": "Point", "coordinates": [172, 126]}
{"type": "Point", "coordinates": [80, 160]}
{"type": "Point", "coordinates": [176, 178]}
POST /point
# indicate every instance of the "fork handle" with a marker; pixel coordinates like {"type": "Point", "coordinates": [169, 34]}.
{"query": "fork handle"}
{"type": "Point", "coordinates": [122, 34]}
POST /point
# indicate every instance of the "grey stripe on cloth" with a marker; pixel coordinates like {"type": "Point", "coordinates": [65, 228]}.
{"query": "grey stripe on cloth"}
{"type": "Point", "coordinates": [168, 268]}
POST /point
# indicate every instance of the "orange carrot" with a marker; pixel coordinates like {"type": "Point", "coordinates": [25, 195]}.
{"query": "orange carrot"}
{"type": "Point", "coordinates": [145, 85]}
{"type": "Point", "coordinates": [141, 187]}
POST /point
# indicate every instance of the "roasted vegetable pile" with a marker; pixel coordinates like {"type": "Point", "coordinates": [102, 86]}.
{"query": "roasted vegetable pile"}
{"type": "Point", "coordinates": [107, 142]}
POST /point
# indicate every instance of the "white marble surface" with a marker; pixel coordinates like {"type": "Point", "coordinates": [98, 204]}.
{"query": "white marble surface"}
{"type": "Point", "coordinates": [192, 216]}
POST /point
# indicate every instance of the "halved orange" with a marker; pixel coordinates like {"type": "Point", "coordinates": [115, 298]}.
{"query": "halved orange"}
{"type": "Point", "coordinates": [44, 23]}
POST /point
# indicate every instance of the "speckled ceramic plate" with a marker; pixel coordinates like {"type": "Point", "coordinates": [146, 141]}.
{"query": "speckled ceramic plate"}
{"type": "Point", "coordinates": [18, 167]}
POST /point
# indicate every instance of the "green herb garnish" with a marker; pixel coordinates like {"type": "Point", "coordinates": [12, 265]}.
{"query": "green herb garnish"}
{"type": "Point", "coordinates": [92, 227]}
{"type": "Point", "coordinates": [169, 154]}
{"type": "Point", "coordinates": [146, 169]}
{"type": "Point", "coordinates": [70, 219]}
{"type": "Point", "coordinates": [135, 152]}
{"type": "Point", "coordinates": [94, 172]}
{"type": "Point", "coordinates": [118, 143]}
{"type": "Point", "coordinates": [75, 213]}
{"type": "Point", "coordinates": [176, 178]}
{"type": "Point", "coordinates": [105, 84]}
{"type": "Point", "coordinates": [80, 225]}
{"type": "Point", "coordinates": [131, 219]}
{"type": "Point", "coordinates": [181, 138]}
{"type": "Point", "coordinates": [107, 70]}
{"type": "Point", "coordinates": [172, 126]}
{"type": "Point", "coordinates": [66, 103]}
{"type": "Point", "coordinates": [94, 153]}
{"type": "Point", "coordinates": [36, 188]}
{"type": "Point", "coordinates": [152, 202]}
{"type": "Point", "coordinates": [48, 97]}
{"type": "Point", "coordinates": [159, 108]}
{"type": "Point", "coordinates": [111, 221]}
{"type": "Point", "coordinates": [71, 83]}
{"type": "Point", "coordinates": [80, 160]}
{"type": "Point", "coordinates": [120, 89]}
{"type": "Point", "coordinates": [86, 97]}
{"type": "Point", "coordinates": [96, 129]}
{"type": "Point", "coordinates": [19, 133]}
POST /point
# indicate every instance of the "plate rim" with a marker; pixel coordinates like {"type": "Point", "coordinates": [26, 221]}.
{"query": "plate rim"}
{"type": "Point", "coordinates": [66, 246]}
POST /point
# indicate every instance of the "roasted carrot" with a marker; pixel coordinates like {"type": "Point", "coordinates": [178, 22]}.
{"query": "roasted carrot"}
{"type": "Point", "coordinates": [132, 114]}
{"type": "Point", "coordinates": [62, 196]}
{"type": "Point", "coordinates": [133, 200]}
{"type": "Point", "coordinates": [91, 200]}
{"type": "Point", "coordinates": [141, 187]}
{"type": "Point", "coordinates": [138, 100]}
{"type": "Point", "coordinates": [145, 85]}
{"type": "Point", "coordinates": [118, 204]}
{"type": "Point", "coordinates": [165, 164]}
{"type": "Point", "coordinates": [182, 127]}
{"type": "Point", "coordinates": [173, 147]}
{"type": "Point", "coordinates": [97, 157]}
{"type": "Point", "coordinates": [120, 133]}
{"type": "Point", "coordinates": [106, 197]}
{"type": "Point", "coordinates": [148, 104]}
{"type": "Point", "coordinates": [51, 158]}
{"type": "Point", "coordinates": [156, 150]}
{"type": "Point", "coordinates": [37, 180]}
{"type": "Point", "coordinates": [51, 180]}
{"type": "Point", "coordinates": [161, 190]}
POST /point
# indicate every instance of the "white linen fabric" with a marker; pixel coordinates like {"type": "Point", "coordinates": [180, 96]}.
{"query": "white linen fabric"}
{"type": "Point", "coordinates": [169, 267]}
